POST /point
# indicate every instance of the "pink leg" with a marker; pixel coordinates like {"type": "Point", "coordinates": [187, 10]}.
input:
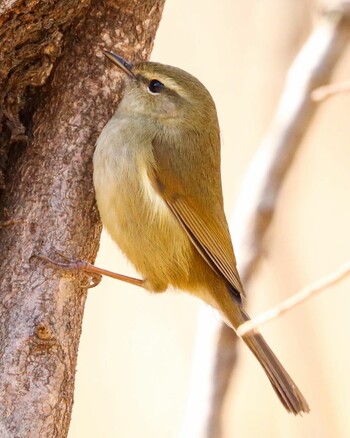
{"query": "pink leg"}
{"type": "Point", "coordinates": [81, 265]}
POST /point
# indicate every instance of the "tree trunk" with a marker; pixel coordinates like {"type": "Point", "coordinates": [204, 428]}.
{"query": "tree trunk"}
{"type": "Point", "coordinates": [56, 93]}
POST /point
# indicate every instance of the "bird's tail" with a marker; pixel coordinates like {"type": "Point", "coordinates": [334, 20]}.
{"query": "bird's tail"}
{"type": "Point", "coordinates": [286, 390]}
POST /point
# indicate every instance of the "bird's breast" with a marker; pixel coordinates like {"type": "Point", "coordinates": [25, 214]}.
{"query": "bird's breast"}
{"type": "Point", "coordinates": [134, 214]}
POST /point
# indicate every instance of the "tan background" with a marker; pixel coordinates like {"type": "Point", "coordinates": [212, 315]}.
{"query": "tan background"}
{"type": "Point", "coordinates": [135, 353]}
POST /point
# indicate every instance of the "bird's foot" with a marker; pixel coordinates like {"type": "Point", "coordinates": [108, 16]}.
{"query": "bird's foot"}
{"type": "Point", "coordinates": [94, 272]}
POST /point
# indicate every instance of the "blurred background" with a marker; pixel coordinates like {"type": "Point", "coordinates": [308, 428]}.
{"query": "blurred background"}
{"type": "Point", "coordinates": [136, 349]}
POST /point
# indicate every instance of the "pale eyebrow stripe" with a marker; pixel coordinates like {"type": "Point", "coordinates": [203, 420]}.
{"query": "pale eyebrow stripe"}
{"type": "Point", "coordinates": [168, 82]}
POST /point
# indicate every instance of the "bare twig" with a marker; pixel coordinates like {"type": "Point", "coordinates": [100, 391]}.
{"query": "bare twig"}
{"type": "Point", "coordinates": [330, 90]}
{"type": "Point", "coordinates": [203, 373]}
{"type": "Point", "coordinates": [311, 68]}
{"type": "Point", "coordinates": [294, 300]}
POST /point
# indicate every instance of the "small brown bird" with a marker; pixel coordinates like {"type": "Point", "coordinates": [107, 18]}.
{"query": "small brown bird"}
{"type": "Point", "coordinates": [158, 189]}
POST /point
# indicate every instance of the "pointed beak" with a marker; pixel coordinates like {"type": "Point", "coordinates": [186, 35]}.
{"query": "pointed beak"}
{"type": "Point", "coordinates": [120, 62]}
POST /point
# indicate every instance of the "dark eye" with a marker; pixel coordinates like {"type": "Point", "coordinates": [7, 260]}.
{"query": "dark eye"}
{"type": "Point", "coordinates": [155, 86]}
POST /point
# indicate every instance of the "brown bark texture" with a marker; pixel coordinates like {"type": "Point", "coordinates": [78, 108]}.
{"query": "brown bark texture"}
{"type": "Point", "coordinates": [56, 93]}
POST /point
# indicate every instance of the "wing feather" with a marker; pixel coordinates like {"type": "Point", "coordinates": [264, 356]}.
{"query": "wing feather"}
{"type": "Point", "coordinates": [204, 222]}
{"type": "Point", "coordinates": [211, 240]}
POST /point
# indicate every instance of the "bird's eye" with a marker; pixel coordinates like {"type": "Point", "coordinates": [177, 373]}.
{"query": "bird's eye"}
{"type": "Point", "coordinates": [155, 86]}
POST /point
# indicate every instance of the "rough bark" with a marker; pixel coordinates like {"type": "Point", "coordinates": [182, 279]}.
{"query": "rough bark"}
{"type": "Point", "coordinates": [56, 93]}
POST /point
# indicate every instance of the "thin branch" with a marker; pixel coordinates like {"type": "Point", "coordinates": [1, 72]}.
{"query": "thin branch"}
{"type": "Point", "coordinates": [203, 372]}
{"type": "Point", "coordinates": [291, 302]}
{"type": "Point", "coordinates": [258, 197]}
{"type": "Point", "coordinates": [322, 93]}
{"type": "Point", "coordinates": [312, 67]}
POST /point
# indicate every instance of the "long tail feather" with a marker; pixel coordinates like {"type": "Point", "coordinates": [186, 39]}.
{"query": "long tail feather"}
{"type": "Point", "coordinates": [285, 388]}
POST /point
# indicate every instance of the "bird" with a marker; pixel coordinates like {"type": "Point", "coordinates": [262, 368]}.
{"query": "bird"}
{"type": "Point", "coordinates": [157, 179]}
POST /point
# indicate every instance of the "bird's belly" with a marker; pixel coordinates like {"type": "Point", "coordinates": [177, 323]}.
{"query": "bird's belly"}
{"type": "Point", "coordinates": [140, 222]}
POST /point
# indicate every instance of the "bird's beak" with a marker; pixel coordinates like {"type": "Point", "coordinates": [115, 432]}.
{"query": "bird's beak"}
{"type": "Point", "coordinates": [120, 62]}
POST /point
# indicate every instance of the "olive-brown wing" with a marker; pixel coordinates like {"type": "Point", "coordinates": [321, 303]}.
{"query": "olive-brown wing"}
{"type": "Point", "coordinates": [195, 199]}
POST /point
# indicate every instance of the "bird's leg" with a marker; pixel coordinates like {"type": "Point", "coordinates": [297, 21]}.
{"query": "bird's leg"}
{"type": "Point", "coordinates": [95, 272]}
